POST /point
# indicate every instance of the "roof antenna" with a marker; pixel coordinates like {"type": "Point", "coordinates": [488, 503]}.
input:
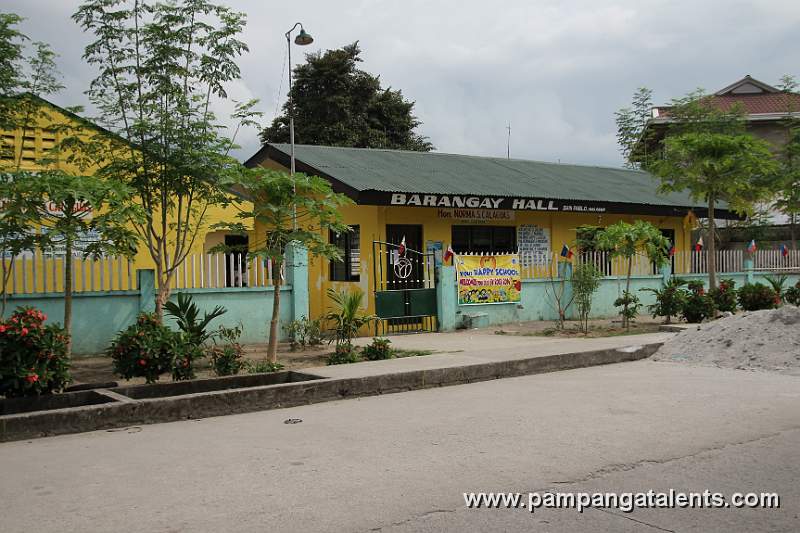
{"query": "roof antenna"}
{"type": "Point", "coordinates": [508, 142]}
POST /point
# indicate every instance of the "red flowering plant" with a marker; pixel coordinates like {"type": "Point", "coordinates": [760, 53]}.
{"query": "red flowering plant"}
{"type": "Point", "coordinates": [33, 357]}
{"type": "Point", "coordinates": [146, 349]}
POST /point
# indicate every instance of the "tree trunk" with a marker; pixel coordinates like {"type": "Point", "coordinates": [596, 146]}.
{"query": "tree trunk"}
{"type": "Point", "coordinates": [625, 321]}
{"type": "Point", "coordinates": [5, 282]}
{"type": "Point", "coordinates": [68, 293]}
{"type": "Point", "coordinates": [161, 297]}
{"type": "Point", "coordinates": [272, 347]}
{"type": "Point", "coordinates": [712, 244]}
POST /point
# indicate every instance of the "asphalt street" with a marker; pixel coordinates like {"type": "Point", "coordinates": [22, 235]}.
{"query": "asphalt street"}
{"type": "Point", "coordinates": [402, 462]}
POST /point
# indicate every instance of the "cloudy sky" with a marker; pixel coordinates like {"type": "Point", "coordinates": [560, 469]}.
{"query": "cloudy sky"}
{"type": "Point", "coordinates": [555, 69]}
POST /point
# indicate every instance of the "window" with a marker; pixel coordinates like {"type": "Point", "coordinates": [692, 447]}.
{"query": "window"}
{"type": "Point", "coordinates": [485, 239]}
{"type": "Point", "coordinates": [349, 268]}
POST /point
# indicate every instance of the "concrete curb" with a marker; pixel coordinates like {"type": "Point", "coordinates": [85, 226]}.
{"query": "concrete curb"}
{"type": "Point", "coordinates": [121, 410]}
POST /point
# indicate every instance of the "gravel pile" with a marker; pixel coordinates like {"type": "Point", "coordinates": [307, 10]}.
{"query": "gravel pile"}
{"type": "Point", "coordinates": [758, 340]}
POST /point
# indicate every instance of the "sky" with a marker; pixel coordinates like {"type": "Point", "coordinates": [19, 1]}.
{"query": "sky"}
{"type": "Point", "coordinates": [555, 70]}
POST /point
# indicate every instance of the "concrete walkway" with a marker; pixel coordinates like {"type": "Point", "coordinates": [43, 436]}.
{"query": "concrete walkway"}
{"type": "Point", "coordinates": [463, 348]}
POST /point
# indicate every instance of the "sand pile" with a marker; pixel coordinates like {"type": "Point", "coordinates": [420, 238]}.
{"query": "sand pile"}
{"type": "Point", "coordinates": [758, 340]}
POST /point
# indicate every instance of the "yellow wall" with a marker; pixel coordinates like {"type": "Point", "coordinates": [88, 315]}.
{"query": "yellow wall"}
{"type": "Point", "coordinates": [35, 142]}
{"type": "Point", "coordinates": [373, 220]}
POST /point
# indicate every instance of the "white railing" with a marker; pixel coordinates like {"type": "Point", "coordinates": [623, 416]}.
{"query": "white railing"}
{"type": "Point", "coordinates": [216, 271]}
{"type": "Point", "coordinates": [728, 261]}
{"type": "Point", "coordinates": [44, 272]}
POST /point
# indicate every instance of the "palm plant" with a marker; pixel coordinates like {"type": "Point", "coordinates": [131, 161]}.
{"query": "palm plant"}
{"type": "Point", "coordinates": [347, 317]}
{"type": "Point", "coordinates": [778, 284]}
{"type": "Point", "coordinates": [186, 314]}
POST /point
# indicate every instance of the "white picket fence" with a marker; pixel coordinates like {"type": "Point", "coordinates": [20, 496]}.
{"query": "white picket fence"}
{"type": "Point", "coordinates": [727, 261]}
{"type": "Point", "coordinates": [43, 272]}
{"type": "Point", "coordinates": [216, 271]}
{"type": "Point", "coordinates": [38, 272]}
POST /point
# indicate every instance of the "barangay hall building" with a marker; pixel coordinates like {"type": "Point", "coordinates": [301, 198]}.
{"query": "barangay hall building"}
{"type": "Point", "coordinates": [476, 205]}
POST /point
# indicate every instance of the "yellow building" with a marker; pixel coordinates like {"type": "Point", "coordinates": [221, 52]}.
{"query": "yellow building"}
{"type": "Point", "coordinates": [481, 205]}
{"type": "Point", "coordinates": [32, 150]}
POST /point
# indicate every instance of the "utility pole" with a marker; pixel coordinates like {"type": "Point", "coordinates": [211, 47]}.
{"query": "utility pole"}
{"type": "Point", "coordinates": [508, 142]}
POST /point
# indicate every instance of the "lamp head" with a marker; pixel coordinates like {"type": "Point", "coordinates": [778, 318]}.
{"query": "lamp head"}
{"type": "Point", "coordinates": [303, 38]}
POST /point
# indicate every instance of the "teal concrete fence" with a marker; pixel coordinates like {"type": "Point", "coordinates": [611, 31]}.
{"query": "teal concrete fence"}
{"type": "Point", "coordinates": [538, 302]}
{"type": "Point", "coordinates": [98, 316]}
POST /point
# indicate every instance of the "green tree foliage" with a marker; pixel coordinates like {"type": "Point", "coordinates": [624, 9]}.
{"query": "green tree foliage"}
{"type": "Point", "coordinates": [337, 104]}
{"type": "Point", "coordinates": [27, 70]}
{"type": "Point", "coordinates": [708, 153]}
{"type": "Point", "coordinates": [788, 189]}
{"type": "Point", "coordinates": [626, 240]}
{"type": "Point", "coordinates": [585, 282]}
{"type": "Point", "coordinates": [296, 209]}
{"type": "Point", "coordinates": [81, 215]}
{"type": "Point", "coordinates": [632, 125]}
{"type": "Point", "coordinates": [162, 65]}
{"type": "Point", "coordinates": [50, 208]}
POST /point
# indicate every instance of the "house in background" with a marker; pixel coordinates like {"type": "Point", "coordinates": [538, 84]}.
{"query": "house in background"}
{"type": "Point", "coordinates": [767, 110]}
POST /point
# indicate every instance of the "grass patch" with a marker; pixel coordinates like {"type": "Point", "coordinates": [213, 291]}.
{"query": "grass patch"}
{"type": "Point", "coordinates": [398, 353]}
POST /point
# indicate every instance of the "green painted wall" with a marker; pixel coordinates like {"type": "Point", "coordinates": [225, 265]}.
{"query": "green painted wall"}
{"type": "Point", "coordinates": [537, 302]}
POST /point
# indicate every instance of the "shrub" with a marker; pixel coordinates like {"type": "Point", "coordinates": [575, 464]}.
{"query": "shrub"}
{"type": "Point", "coordinates": [724, 296]}
{"type": "Point", "coordinates": [342, 355]}
{"type": "Point", "coordinates": [146, 349]}
{"type": "Point", "coordinates": [755, 296]}
{"type": "Point", "coordinates": [33, 357]}
{"type": "Point", "coordinates": [792, 294]}
{"type": "Point", "coordinates": [585, 281]}
{"type": "Point", "coordinates": [669, 300]}
{"type": "Point", "coordinates": [378, 350]}
{"type": "Point", "coordinates": [629, 304]}
{"type": "Point", "coordinates": [698, 305]}
{"type": "Point", "coordinates": [262, 367]}
{"type": "Point", "coordinates": [777, 283]}
{"type": "Point", "coordinates": [347, 318]}
{"type": "Point", "coordinates": [187, 317]}
{"type": "Point", "coordinates": [304, 332]}
{"type": "Point", "coordinates": [226, 356]}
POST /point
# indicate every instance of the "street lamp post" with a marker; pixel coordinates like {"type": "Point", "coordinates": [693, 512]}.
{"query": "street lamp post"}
{"type": "Point", "coordinates": [302, 39]}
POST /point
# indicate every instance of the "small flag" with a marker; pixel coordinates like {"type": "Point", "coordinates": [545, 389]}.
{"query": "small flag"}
{"type": "Point", "coordinates": [784, 250]}
{"type": "Point", "coordinates": [752, 246]}
{"type": "Point", "coordinates": [566, 252]}
{"type": "Point", "coordinates": [699, 245]}
{"type": "Point", "coordinates": [672, 251]}
{"type": "Point", "coordinates": [401, 250]}
{"type": "Point", "coordinates": [448, 254]}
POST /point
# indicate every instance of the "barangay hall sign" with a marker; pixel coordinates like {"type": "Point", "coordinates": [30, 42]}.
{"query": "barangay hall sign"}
{"type": "Point", "coordinates": [490, 202]}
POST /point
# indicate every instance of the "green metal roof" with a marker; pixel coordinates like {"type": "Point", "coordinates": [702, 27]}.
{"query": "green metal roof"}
{"type": "Point", "coordinates": [397, 171]}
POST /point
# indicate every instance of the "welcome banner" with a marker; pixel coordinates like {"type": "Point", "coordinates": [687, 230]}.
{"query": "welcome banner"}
{"type": "Point", "coordinates": [488, 279]}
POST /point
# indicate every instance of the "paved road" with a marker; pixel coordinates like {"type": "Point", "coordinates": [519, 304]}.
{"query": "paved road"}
{"type": "Point", "coordinates": [402, 462]}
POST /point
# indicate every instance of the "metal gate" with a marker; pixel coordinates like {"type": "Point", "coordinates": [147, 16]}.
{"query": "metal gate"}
{"type": "Point", "coordinates": [405, 289]}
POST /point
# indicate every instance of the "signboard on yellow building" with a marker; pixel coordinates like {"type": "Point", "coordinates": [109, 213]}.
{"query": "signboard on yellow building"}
{"type": "Point", "coordinates": [488, 279]}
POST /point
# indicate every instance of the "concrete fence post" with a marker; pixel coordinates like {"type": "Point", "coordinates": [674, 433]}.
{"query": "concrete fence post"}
{"type": "Point", "coordinates": [748, 271]}
{"type": "Point", "coordinates": [297, 277]}
{"type": "Point", "coordinates": [446, 298]}
{"type": "Point", "coordinates": [146, 283]}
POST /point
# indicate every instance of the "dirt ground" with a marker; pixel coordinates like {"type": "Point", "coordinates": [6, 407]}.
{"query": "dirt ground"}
{"type": "Point", "coordinates": [597, 328]}
{"type": "Point", "coordinates": [97, 369]}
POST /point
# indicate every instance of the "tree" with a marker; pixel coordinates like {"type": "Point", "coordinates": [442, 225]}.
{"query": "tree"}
{"type": "Point", "coordinates": [632, 126]}
{"type": "Point", "coordinates": [161, 67]}
{"type": "Point", "coordinates": [626, 240]}
{"type": "Point", "coordinates": [337, 104]}
{"type": "Point", "coordinates": [585, 282]}
{"type": "Point", "coordinates": [788, 190]}
{"type": "Point", "coordinates": [296, 209]}
{"type": "Point", "coordinates": [77, 215]}
{"type": "Point", "coordinates": [25, 73]}
{"type": "Point", "coordinates": [708, 153]}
